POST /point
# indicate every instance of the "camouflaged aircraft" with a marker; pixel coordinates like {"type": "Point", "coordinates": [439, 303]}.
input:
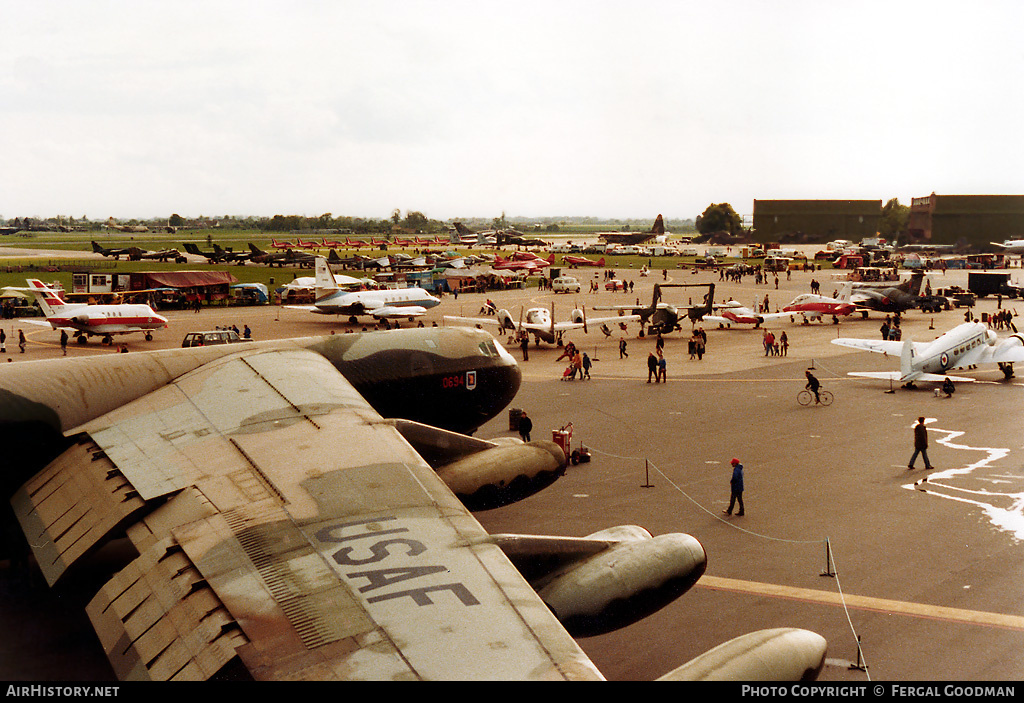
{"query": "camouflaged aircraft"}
{"type": "Point", "coordinates": [300, 509]}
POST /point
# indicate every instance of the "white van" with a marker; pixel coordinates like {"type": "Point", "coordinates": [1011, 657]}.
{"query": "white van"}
{"type": "Point", "coordinates": [565, 284]}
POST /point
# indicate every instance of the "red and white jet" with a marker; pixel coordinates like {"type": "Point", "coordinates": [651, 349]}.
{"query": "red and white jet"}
{"type": "Point", "coordinates": [94, 320]}
{"type": "Point", "coordinates": [813, 306]}
{"type": "Point", "coordinates": [582, 261]}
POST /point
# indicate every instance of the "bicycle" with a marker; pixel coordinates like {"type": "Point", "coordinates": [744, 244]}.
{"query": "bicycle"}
{"type": "Point", "coordinates": [806, 397]}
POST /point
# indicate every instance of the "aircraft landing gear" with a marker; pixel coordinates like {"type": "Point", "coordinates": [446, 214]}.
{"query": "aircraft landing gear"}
{"type": "Point", "coordinates": [1007, 368]}
{"type": "Point", "coordinates": [108, 340]}
{"type": "Point", "coordinates": [149, 336]}
{"type": "Point", "coordinates": [82, 339]}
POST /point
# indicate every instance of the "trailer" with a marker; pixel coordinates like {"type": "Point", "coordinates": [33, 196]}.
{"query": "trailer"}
{"type": "Point", "coordinates": [983, 283]}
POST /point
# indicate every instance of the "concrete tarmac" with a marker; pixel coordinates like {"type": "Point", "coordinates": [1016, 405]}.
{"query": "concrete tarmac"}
{"type": "Point", "coordinates": [836, 537]}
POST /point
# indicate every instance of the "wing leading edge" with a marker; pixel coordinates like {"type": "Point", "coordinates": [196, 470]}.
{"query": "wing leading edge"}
{"type": "Point", "coordinates": [294, 528]}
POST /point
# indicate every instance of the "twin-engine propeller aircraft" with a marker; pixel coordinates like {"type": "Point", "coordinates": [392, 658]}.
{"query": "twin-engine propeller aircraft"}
{"type": "Point", "coordinates": [540, 322]}
{"type": "Point", "coordinates": [384, 303]}
{"type": "Point", "coordinates": [86, 321]}
{"type": "Point", "coordinates": [661, 317]}
{"type": "Point", "coordinates": [273, 524]}
{"type": "Point", "coordinates": [966, 345]}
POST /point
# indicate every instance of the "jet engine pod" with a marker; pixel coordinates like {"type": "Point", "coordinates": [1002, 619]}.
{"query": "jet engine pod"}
{"type": "Point", "coordinates": [504, 474]}
{"type": "Point", "coordinates": [780, 654]}
{"type": "Point", "coordinates": [624, 583]}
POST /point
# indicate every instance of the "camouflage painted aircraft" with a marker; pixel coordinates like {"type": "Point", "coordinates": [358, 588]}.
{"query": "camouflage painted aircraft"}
{"type": "Point", "coordinates": [284, 529]}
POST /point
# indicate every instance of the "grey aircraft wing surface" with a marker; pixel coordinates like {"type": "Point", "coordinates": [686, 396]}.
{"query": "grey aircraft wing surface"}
{"type": "Point", "coordinates": [282, 528]}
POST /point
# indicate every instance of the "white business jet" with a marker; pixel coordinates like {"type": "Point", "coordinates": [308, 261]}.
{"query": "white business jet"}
{"type": "Point", "coordinates": [384, 303]}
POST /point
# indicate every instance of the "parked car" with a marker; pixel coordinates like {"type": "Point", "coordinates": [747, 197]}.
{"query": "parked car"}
{"type": "Point", "coordinates": [205, 339]}
{"type": "Point", "coordinates": [615, 284]}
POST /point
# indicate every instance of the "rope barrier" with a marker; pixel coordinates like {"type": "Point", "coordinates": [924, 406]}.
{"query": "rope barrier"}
{"type": "Point", "coordinates": [830, 567]}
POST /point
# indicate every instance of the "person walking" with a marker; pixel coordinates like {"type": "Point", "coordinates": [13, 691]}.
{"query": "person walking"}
{"type": "Point", "coordinates": [64, 342]}
{"type": "Point", "coordinates": [736, 488]}
{"type": "Point", "coordinates": [3, 341]}
{"type": "Point", "coordinates": [586, 366]}
{"type": "Point", "coordinates": [652, 367]}
{"type": "Point", "coordinates": [920, 445]}
{"type": "Point", "coordinates": [524, 344]}
{"type": "Point", "coordinates": [622, 348]}
{"type": "Point", "coordinates": [21, 340]}
{"type": "Point", "coordinates": [525, 426]}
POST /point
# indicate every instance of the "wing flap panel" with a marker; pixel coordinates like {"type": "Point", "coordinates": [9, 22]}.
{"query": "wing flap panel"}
{"type": "Point", "coordinates": [68, 508]}
{"type": "Point", "coordinates": [157, 619]}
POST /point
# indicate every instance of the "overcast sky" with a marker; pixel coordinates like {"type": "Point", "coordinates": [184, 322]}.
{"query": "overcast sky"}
{"type": "Point", "coordinates": [459, 109]}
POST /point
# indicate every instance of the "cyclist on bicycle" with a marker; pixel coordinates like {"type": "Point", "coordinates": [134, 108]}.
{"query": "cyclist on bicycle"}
{"type": "Point", "coordinates": [814, 385]}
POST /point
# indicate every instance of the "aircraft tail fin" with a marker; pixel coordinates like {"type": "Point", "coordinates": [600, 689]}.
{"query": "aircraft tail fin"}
{"type": "Point", "coordinates": [846, 292]}
{"type": "Point", "coordinates": [49, 300]}
{"type": "Point", "coordinates": [659, 225]}
{"type": "Point", "coordinates": [98, 249]}
{"type": "Point", "coordinates": [601, 261]}
{"type": "Point", "coordinates": [915, 283]}
{"type": "Point", "coordinates": [325, 282]}
{"type": "Point", "coordinates": [907, 359]}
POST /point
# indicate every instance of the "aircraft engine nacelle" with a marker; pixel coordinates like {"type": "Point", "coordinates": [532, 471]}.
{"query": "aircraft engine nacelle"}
{"type": "Point", "coordinates": [505, 320]}
{"type": "Point", "coordinates": [780, 654]}
{"type": "Point", "coordinates": [662, 320]}
{"type": "Point", "coordinates": [504, 474]}
{"type": "Point", "coordinates": [578, 317]}
{"type": "Point", "coordinates": [624, 583]}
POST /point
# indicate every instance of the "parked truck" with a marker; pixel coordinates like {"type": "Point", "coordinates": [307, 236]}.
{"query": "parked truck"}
{"type": "Point", "coordinates": [983, 283]}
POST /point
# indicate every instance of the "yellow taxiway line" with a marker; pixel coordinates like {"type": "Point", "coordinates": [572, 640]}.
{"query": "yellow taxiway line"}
{"type": "Point", "coordinates": [881, 605]}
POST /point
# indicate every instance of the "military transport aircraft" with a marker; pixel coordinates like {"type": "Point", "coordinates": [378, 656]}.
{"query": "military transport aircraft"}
{"type": "Point", "coordinates": [540, 322]}
{"type": "Point", "coordinates": [94, 320]}
{"type": "Point", "coordinates": [964, 346]}
{"type": "Point", "coordinates": [657, 230]}
{"type": "Point", "coordinates": [1013, 247]}
{"type": "Point", "coordinates": [280, 520]}
{"type": "Point", "coordinates": [384, 303]}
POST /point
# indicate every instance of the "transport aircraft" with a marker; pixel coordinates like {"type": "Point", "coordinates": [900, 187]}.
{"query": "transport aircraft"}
{"type": "Point", "coordinates": [661, 317]}
{"type": "Point", "coordinates": [287, 511]}
{"type": "Point", "coordinates": [384, 303]}
{"type": "Point", "coordinates": [540, 322]}
{"type": "Point", "coordinates": [966, 345]}
{"type": "Point", "coordinates": [94, 320]}
{"type": "Point", "coordinates": [657, 230]}
{"type": "Point", "coordinates": [1013, 247]}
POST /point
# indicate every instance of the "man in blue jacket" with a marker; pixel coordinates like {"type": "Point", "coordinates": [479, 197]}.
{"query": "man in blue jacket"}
{"type": "Point", "coordinates": [736, 484]}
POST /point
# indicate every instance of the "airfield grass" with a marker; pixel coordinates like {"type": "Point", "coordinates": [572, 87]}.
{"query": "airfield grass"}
{"type": "Point", "coordinates": [14, 271]}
